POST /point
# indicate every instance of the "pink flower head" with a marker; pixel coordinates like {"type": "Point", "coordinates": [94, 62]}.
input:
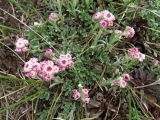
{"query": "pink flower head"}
{"type": "Point", "coordinates": [21, 45]}
{"type": "Point", "coordinates": [64, 62]}
{"type": "Point", "coordinates": [49, 53]}
{"type": "Point", "coordinates": [84, 97]}
{"type": "Point", "coordinates": [70, 64]}
{"type": "Point", "coordinates": [108, 16]}
{"type": "Point", "coordinates": [103, 23]}
{"type": "Point", "coordinates": [97, 15]}
{"type": "Point", "coordinates": [18, 50]}
{"type": "Point", "coordinates": [26, 42]}
{"type": "Point", "coordinates": [68, 56]}
{"type": "Point", "coordinates": [46, 70]}
{"type": "Point", "coordinates": [31, 74]}
{"type": "Point", "coordinates": [126, 77]}
{"type": "Point", "coordinates": [76, 94]}
{"type": "Point", "coordinates": [75, 91]}
{"type": "Point", "coordinates": [30, 67]}
{"type": "Point", "coordinates": [33, 60]}
{"type": "Point", "coordinates": [122, 83]}
{"type": "Point", "coordinates": [53, 16]}
{"type": "Point", "coordinates": [41, 74]}
{"type": "Point", "coordinates": [133, 53]}
{"type": "Point", "coordinates": [129, 32]}
{"type": "Point", "coordinates": [56, 69]}
{"type": "Point", "coordinates": [141, 57]}
{"type": "Point", "coordinates": [25, 49]}
{"type": "Point", "coordinates": [109, 23]}
{"type": "Point", "coordinates": [155, 61]}
{"type": "Point", "coordinates": [85, 92]}
{"type": "Point", "coordinates": [115, 82]}
{"type": "Point", "coordinates": [61, 68]}
{"type": "Point", "coordinates": [48, 77]}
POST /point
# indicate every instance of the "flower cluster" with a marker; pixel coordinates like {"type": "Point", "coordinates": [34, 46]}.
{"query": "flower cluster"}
{"type": "Point", "coordinates": [64, 62]}
{"type": "Point", "coordinates": [129, 32]}
{"type": "Point", "coordinates": [122, 81]}
{"type": "Point", "coordinates": [83, 94]}
{"type": "Point", "coordinates": [21, 45]}
{"type": "Point", "coordinates": [53, 16]}
{"type": "Point", "coordinates": [49, 53]}
{"type": "Point", "coordinates": [106, 18]}
{"type": "Point", "coordinates": [44, 69]}
{"type": "Point", "coordinates": [134, 53]}
{"type": "Point", "coordinates": [76, 94]}
{"type": "Point", "coordinates": [47, 69]}
{"type": "Point", "coordinates": [30, 68]}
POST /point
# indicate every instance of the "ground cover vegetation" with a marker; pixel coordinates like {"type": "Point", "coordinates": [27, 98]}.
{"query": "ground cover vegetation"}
{"type": "Point", "coordinates": [79, 59]}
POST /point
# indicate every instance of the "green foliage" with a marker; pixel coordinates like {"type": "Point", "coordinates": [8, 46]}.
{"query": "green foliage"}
{"type": "Point", "coordinates": [67, 109]}
{"type": "Point", "coordinates": [43, 114]}
{"type": "Point", "coordinates": [5, 30]}
{"type": "Point", "coordinates": [153, 18]}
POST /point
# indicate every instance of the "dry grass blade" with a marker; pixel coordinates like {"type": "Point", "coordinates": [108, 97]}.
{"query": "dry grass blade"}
{"type": "Point", "coordinates": [152, 84]}
{"type": "Point", "coordinates": [5, 73]}
{"type": "Point", "coordinates": [13, 92]}
{"type": "Point", "coordinates": [149, 100]}
{"type": "Point", "coordinates": [108, 108]}
{"type": "Point", "coordinates": [98, 81]}
{"type": "Point", "coordinates": [141, 106]}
